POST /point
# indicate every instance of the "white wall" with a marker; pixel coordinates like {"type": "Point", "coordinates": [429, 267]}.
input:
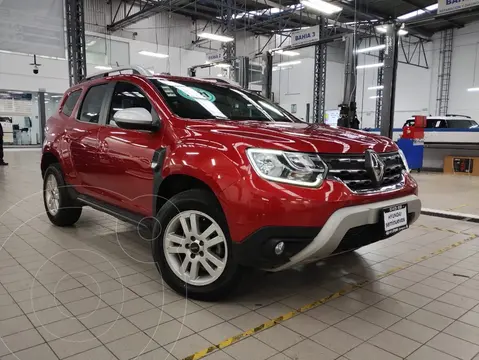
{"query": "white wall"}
{"type": "Point", "coordinates": [412, 89]}
{"type": "Point", "coordinates": [16, 73]}
{"type": "Point", "coordinates": [294, 85]}
{"type": "Point", "coordinates": [465, 72]}
{"type": "Point", "coordinates": [163, 28]}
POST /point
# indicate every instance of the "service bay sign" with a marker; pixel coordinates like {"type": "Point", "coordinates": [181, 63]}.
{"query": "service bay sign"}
{"type": "Point", "coordinates": [215, 56]}
{"type": "Point", "coordinates": [395, 219]}
{"type": "Point", "coordinates": [446, 6]}
{"type": "Point", "coordinates": [305, 36]}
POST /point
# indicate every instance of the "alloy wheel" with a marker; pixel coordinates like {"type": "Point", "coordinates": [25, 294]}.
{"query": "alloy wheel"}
{"type": "Point", "coordinates": [195, 248]}
{"type": "Point", "coordinates": [52, 195]}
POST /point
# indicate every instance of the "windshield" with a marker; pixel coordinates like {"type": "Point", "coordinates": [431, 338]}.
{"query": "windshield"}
{"type": "Point", "coordinates": [201, 100]}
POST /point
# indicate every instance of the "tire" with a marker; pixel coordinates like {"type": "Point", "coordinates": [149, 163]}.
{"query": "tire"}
{"type": "Point", "coordinates": [68, 211]}
{"type": "Point", "coordinates": [205, 207]}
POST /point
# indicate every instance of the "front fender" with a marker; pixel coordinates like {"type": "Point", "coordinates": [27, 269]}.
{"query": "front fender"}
{"type": "Point", "coordinates": [209, 165]}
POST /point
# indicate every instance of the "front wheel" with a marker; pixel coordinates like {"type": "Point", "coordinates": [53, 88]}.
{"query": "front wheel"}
{"type": "Point", "coordinates": [192, 247]}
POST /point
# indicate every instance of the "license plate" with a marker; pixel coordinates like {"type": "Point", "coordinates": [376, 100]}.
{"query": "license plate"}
{"type": "Point", "coordinates": [395, 219]}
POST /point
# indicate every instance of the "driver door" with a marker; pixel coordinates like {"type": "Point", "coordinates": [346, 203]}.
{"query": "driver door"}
{"type": "Point", "coordinates": [126, 154]}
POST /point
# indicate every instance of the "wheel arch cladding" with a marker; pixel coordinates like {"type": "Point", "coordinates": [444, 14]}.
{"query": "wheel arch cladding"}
{"type": "Point", "coordinates": [48, 158]}
{"type": "Point", "coordinates": [179, 171]}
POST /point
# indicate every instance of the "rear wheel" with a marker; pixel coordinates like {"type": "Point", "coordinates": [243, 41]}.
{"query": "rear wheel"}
{"type": "Point", "coordinates": [192, 248]}
{"type": "Point", "coordinates": [61, 209]}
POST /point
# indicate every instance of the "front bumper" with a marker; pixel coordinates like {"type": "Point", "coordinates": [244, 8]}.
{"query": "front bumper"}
{"type": "Point", "coordinates": [341, 222]}
{"type": "Point", "coordinates": [349, 227]}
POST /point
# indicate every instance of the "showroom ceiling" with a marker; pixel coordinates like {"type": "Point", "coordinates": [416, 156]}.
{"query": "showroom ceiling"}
{"type": "Point", "coordinates": [266, 16]}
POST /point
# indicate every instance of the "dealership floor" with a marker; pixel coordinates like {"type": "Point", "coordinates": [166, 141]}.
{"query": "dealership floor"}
{"type": "Point", "coordinates": [91, 292]}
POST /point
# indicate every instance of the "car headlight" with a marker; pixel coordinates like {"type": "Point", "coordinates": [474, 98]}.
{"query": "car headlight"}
{"type": "Point", "coordinates": [288, 167]}
{"type": "Point", "coordinates": [403, 157]}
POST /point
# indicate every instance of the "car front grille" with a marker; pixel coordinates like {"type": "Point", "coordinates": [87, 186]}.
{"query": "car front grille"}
{"type": "Point", "coordinates": [351, 170]}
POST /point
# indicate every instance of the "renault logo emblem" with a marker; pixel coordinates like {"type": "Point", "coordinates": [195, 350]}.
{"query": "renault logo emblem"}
{"type": "Point", "coordinates": [374, 167]}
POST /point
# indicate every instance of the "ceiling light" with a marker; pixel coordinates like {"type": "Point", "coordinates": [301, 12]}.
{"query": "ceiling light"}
{"type": "Point", "coordinates": [57, 96]}
{"type": "Point", "coordinates": [101, 67]}
{"type": "Point", "coordinates": [16, 92]}
{"type": "Point", "coordinates": [287, 52]}
{"type": "Point", "coordinates": [379, 87]}
{"type": "Point", "coordinates": [382, 29]}
{"type": "Point", "coordinates": [91, 43]}
{"type": "Point", "coordinates": [367, 66]}
{"type": "Point", "coordinates": [473, 89]}
{"type": "Point", "coordinates": [223, 65]}
{"type": "Point", "coordinates": [275, 68]}
{"type": "Point", "coordinates": [288, 63]}
{"type": "Point", "coordinates": [153, 54]}
{"type": "Point", "coordinates": [372, 48]}
{"type": "Point", "coordinates": [322, 6]}
{"type": "Point", "coordinates": [375, 97]}
{"type": "Point", "coordinates": [216, 37]}
{"type": "Point", "coordinates": [418, 12]}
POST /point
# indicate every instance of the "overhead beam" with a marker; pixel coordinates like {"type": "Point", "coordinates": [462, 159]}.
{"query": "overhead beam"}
{"type": "Point", "coordinates": [147, 8]}
{"type": "Point", "coordinates": [470, 12]}
{"type": "Point", "coordinates": [372, 15]}
{"type": "Point", "coordinates": [420, 7]}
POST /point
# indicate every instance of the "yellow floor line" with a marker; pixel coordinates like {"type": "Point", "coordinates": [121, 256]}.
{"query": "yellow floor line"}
{"type": "Point", "coordinates": [458, 207]}
{"type": "Point", "coordinates": [270, 323]}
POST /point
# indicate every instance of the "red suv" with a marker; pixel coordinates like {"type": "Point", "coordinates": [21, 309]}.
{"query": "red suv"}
{"type": "Point", "coordinates": [222, 177]}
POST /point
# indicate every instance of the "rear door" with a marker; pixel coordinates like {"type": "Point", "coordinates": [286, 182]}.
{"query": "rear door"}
{"type": "Point", "coordinates": [82, 136]}
{"type": "Point", "coordinates": [126, 155]}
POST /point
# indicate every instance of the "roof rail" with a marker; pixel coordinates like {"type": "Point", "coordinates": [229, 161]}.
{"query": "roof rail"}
{"type": "Point", "coordinates": [458, 115]}
{"type": "Point", "coordinates": [216, 80]}
{"type": "Point", "coordinates": [139, 70]}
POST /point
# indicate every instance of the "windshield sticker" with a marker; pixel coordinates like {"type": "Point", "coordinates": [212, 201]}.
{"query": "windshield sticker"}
{"type": "Point", "coordinates": [168, 91]}
{"type": "Point", "coordinates": [193, 91]}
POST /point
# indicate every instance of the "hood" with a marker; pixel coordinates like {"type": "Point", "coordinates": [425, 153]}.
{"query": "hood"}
{"type": "Point", "coordinates": [296, 136]}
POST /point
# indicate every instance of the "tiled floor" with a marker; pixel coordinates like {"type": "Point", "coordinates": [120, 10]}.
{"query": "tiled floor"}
{"type": "Point", "coordinates": [91, 292]}
{"type": "Point", "coordinates": [459, 193]}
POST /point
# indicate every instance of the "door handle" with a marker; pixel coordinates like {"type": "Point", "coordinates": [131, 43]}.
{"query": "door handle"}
{"type": "Point", "coordinates": [103, 146]}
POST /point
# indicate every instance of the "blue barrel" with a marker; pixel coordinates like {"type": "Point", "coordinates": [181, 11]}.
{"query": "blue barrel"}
{"type": "Point", "coordinates": [413, 149]}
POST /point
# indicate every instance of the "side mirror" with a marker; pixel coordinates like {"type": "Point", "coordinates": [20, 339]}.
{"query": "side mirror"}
{"type": "Point", "coordinates": [136, 118]}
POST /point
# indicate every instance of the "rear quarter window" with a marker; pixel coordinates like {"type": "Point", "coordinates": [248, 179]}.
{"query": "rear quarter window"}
{"type": "Point", "coordinates": [461, 124]}
{"type": "Point", "coordinates": [70, 102]}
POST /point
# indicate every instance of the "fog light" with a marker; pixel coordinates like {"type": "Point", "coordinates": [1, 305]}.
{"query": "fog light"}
{"type": "Point", "coordinates": [279, 248]}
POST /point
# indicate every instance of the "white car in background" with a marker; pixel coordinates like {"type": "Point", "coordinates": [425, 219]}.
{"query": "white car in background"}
{"type": "Point", "coordinates": [447, 122]}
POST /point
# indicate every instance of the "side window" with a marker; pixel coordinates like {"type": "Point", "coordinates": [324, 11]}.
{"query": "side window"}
{"type": "Point", "coordinates": [71, 102]}
{"type": "Point", "coordinates": [91, 106]}
{"type": "Point", "coordinates": [460, 124]}
{"type": "Point", "coordinates": [442, 124]}
{"type": "Point", "coordinates": [436, 123]}
{"type": "Point", "coordinates": [409, 123]}
{"type": "Point", "coordinates": [126, 96]}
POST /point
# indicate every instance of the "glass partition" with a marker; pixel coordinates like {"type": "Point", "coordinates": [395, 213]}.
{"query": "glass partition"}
{"type": "Point", "coordinates": [103, 51]}
{"type": "Point", "coordinates": [19, 117]}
